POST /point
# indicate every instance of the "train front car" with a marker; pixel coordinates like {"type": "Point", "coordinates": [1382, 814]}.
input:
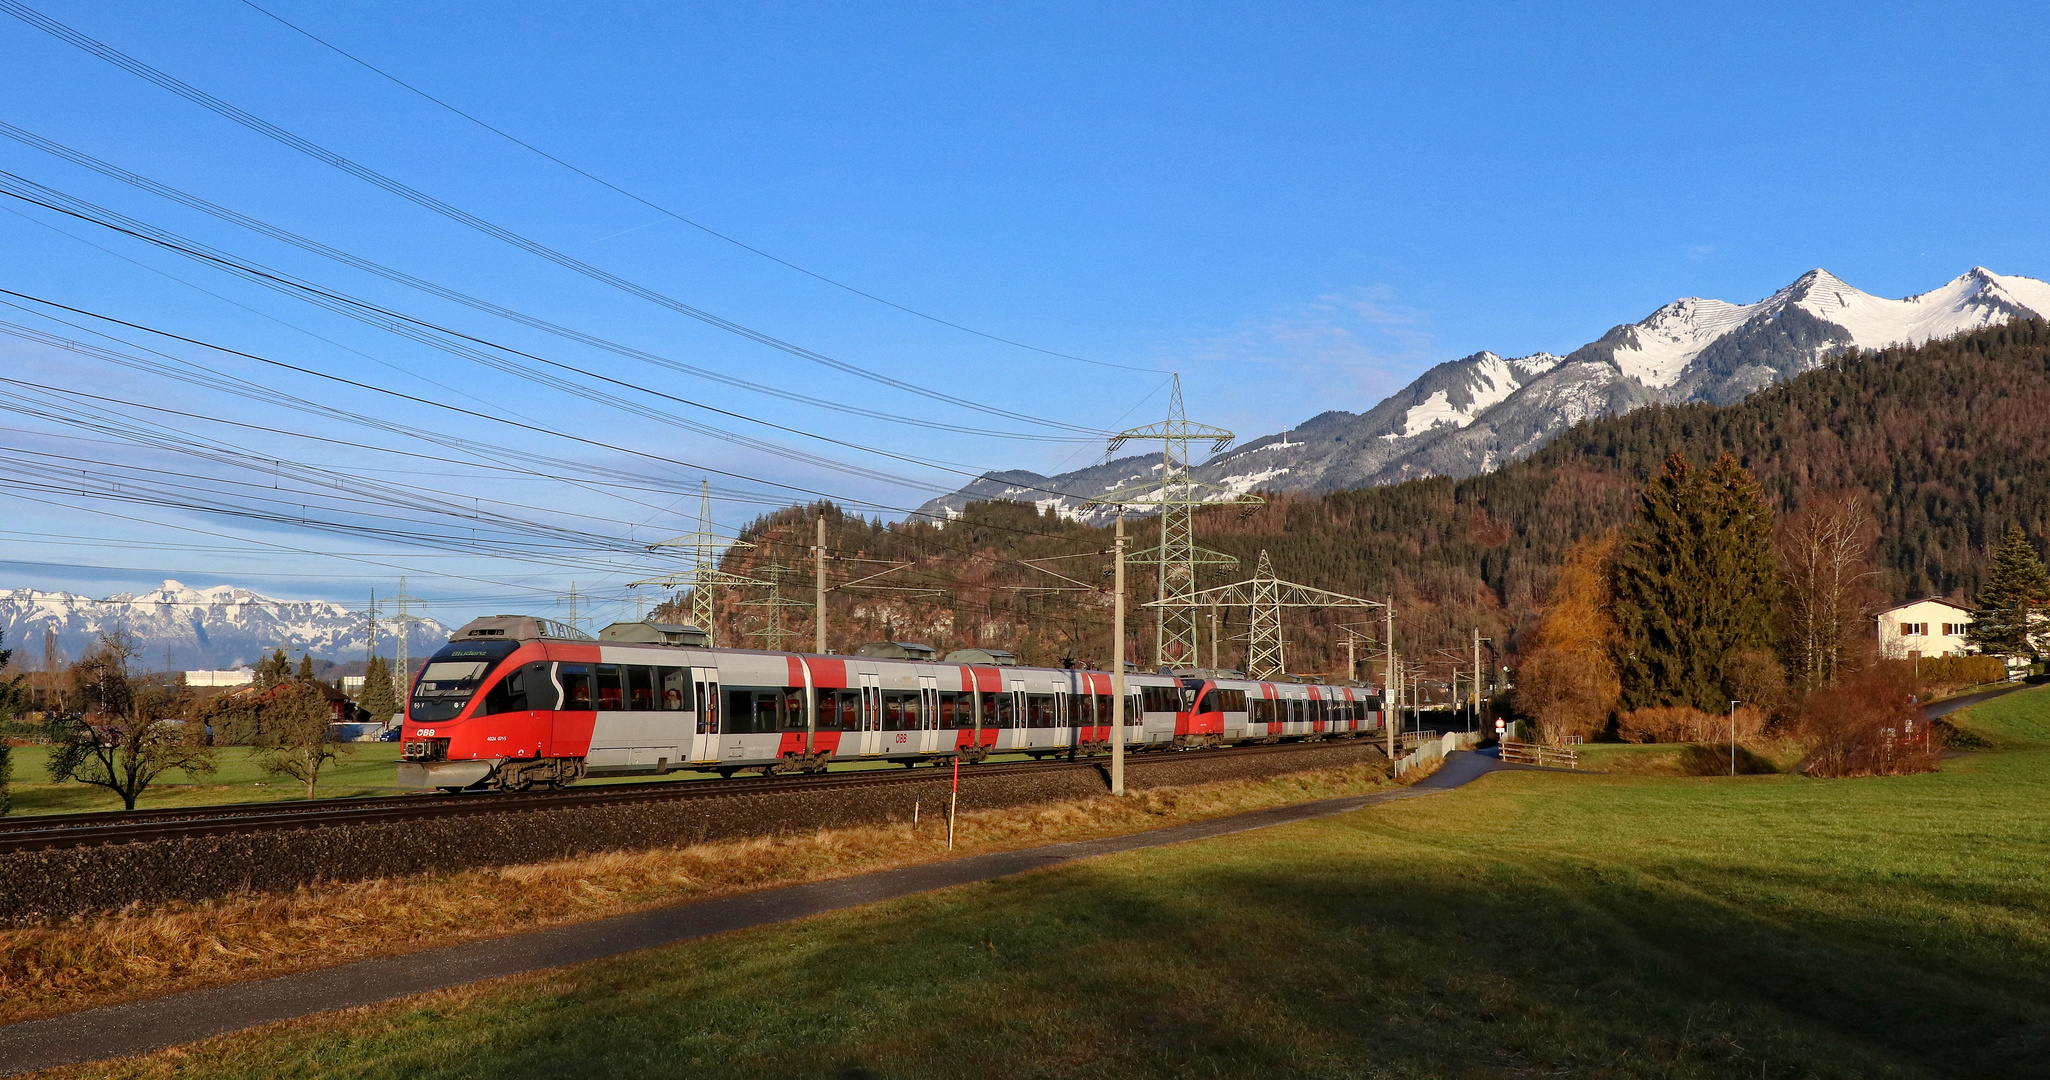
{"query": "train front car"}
{"type": "Point", "coordinates": [483, 711]}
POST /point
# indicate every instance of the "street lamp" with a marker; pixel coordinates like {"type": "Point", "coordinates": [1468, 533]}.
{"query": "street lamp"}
{"type": "Point", "coordinates": [1733, 736]}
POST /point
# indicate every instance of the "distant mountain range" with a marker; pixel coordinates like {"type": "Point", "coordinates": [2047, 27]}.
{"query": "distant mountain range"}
{"type": "Point", "coordinates": [1470, 416]}
{"type": "Point", "coordinates": [220, 627]}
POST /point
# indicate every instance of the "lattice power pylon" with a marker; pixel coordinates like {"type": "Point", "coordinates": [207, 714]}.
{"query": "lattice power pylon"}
{"type": "Point", "coordinates": [771, 632]}
{"type": "Point", "coordinates": [1264, 596]}
{"type": "Point", "coordinates": [706, 547]}
{"type": "Point", "coordinates": [1176, 498]}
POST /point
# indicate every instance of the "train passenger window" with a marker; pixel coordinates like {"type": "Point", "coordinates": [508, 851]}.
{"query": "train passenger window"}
{"type": "Point", "coordinates": [1004, 707]}
{"type": "Point", "coordinates": [576, 686]}
{"type": "Point", "coordinates": [989, 711]}
{"type": "Point", "coordinates": [893, 711]}
{"type": "Point", "coordinates": [1039, 710]}
{"type": "Point", "coordinates": [794, 711]}
{"type": "Point", "coordinates": [611, 695]}
{"type": "Point", "coordinates": [1103, 704]}
{"type": "Point", "coordinates": [848, 702]}
{"type": "Point", "coordinates": [949, 715]}
{"type": "Point", "coordinates": [1081, 711]}
{"type": "Point", "coordinates": [674, 685]}
{"type": "Point", "coordinates": [640, 685]}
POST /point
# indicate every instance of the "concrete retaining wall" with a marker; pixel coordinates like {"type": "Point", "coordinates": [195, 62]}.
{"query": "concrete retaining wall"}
{"type": "Point", "coordinates": [40, 884]}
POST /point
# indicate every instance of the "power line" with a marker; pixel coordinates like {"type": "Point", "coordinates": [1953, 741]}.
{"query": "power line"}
{"type": "Point", "coordinates": [419, 198]}
{"type": "Point", "coordinates": [666, 212]}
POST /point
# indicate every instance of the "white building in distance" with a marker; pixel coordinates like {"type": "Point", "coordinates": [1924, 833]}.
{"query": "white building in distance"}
{"type": "Point", "coordinates": [1930, 627]}
{"type": "Point", "coordinates": [238, 677]}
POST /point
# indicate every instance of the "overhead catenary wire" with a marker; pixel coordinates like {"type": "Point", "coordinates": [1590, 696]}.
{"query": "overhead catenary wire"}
{"type": "Point", "coordinates": [668, 213]}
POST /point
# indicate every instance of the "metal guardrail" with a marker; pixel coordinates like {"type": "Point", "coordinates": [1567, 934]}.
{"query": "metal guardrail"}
{"type": "Point", "coordinates": [1555, 757]}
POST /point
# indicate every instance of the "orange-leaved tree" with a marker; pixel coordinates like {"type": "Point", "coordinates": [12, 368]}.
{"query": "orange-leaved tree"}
{"type": "Point", "coordinates": [1567, 682]}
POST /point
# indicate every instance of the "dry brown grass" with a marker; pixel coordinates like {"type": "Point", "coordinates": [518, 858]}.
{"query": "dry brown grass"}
{"type": "Point", "coordinates": [140, 952]}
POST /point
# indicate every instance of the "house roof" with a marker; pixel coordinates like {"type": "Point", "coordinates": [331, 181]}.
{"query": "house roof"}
{"type": "Point", "coordinates": [1929, 600]}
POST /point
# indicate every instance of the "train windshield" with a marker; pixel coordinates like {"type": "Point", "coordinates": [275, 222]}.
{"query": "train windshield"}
{"type": "Point", "coordinates": [452, 677]}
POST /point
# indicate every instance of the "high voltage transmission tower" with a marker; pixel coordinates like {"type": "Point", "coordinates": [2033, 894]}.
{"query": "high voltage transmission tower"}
{"type": "Point", "coordinates": [706, 547]}
{"type": "Point", "coordinates": [1264, 596]}
{"type": "Point", "coordinates": [402, 627]}
{"type": "Point", "coordinates": [1176, 497]}
{"type": "Point", "coordinates": [771, 631]}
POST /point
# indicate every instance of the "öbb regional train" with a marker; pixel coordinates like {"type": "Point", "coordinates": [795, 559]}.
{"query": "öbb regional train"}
{"type": "Point", "coordinates": [516, 702]}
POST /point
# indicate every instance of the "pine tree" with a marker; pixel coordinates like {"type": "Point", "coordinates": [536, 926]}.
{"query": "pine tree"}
{"type": "Point", "coordinates": [377, 697]}
{"type": "Point", "coordinates": [272, 670]}
{"type": "Point", "coordinates": [1696, 581]}
{"type": "Point", "coordinates": [2011, 603]}
{"type": "Point", "coordinates": [306, 665]}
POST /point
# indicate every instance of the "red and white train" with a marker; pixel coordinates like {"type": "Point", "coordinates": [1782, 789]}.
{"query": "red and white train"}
{"type": "Point", "coordinates": [515, 702]}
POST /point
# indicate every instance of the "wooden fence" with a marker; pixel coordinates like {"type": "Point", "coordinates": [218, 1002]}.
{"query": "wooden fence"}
{"type": "Point", "coordinates": [1524, 753]}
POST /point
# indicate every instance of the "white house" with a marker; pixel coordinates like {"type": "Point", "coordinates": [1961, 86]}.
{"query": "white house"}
{"type": "Point", "coordinates": [1929, 627]}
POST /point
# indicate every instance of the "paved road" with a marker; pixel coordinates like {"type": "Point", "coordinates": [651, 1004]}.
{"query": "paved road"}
{"type": "Point", "coordinates": [142, 1026]}
{"type": "Point", "coordinates": [1950, 705]}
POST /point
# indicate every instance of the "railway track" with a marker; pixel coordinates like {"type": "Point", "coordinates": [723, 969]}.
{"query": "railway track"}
{"type": "Point", "coordinates": [85, 830]}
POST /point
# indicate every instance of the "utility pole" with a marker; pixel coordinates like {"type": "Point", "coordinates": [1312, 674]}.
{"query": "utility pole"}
{"type": "Point", "coordinates": [772, 631]}
{"type": "Point", "coordinates": [818, 552]}
{"type": "Point", "coordinates": [1476, 676]}
{"type": "Point", "coordinates": [1391, 685]}
{"type": "Point", "coordinates": [1117, 666]}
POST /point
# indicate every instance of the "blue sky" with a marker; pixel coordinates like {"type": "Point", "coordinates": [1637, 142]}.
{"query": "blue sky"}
{"type": "Point", "coordinates": [1299, 207]}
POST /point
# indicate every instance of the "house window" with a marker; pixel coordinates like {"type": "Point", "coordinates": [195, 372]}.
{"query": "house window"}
{"type": "Point", "coordinates": [1914, 629]}
{"type": "Point", "coordinates": [1953, 629]}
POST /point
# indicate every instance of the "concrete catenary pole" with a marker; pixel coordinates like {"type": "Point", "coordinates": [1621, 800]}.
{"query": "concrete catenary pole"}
{"type": "Point", "coordinates": [1117, 666]}
{"type": "Point", "coordinates": [1391, 685]}
{"type": "Point", "coordinates": [819, 586]}
{"type": "Point", "coordinates": [1476, 688]}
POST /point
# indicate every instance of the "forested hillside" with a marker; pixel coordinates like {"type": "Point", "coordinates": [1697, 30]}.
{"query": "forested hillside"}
{"type": "Point", "coordinates": [1948, 443]}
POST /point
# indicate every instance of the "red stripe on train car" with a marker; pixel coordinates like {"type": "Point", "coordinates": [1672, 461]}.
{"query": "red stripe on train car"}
{"type": "Point", "coordinates": [831, 674]}
{"type": "Point", "coordinates": [827, 741]}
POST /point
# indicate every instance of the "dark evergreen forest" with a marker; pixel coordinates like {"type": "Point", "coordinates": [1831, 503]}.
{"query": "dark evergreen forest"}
{"type": "Point", "coordinates": [1949, 444]}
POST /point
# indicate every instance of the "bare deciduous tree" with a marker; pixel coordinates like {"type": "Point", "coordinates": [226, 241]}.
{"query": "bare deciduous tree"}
{"type": "Point", "coordinates": [1826, 565]}
{"type": "Point", "coordinates": [132, 730]}
{"type": "Point", "coordinates": [1568, 683]}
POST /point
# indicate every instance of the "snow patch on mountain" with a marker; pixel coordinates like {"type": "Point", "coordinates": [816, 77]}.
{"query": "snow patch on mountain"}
{"type": "Point", "coordinates": [223, 626]}
{"type": "Point", "coordinates": [1483, 411]}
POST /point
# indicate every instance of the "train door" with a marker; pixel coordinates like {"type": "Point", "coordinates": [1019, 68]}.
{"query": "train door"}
{"type": "Point", "coordinates": [871, 712]}
{"type": "Point", "coordinates": [1022, 735]}
{"type": "Point", "coordinates": [928, 714]}
{"type": "Point", "coordinates": [704, 742]}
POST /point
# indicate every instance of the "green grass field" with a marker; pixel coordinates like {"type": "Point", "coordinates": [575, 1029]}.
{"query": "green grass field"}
{"type": "Point", "coordinates": [1529, 924]}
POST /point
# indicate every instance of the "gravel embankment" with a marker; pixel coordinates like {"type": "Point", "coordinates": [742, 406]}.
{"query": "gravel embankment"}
{"type": "Point", "coordinates": [40, 884]}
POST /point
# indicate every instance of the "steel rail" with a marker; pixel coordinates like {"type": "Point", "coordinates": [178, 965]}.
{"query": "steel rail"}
{"type": "Point", "coordinates": [119, 827]}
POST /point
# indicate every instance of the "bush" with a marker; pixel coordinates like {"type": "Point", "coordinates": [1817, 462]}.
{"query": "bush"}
{"type": "Point", "coordinates": [1934, 671]}
{"type": "Point", "coordinates": [1868, 725]}
{"type": "Point", "coordinates": [1684, 723]}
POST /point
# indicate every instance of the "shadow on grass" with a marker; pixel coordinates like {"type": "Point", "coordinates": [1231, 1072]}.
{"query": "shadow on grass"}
{"type": "Point", "coordinates": [1340, 951]}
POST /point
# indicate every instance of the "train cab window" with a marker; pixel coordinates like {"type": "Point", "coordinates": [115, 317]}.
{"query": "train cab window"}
{"type": "Point", "coordinates": [673, 684]}
{"type": "Point", "coordinates": [640, 687]}
{"type": "Point", "coordinates": [611, 694]}
{"type": "Point", "coordinates": [576, 686]}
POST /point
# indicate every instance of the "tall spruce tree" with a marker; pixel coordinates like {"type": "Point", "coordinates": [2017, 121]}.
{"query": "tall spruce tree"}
{"type": "Point", "coordinates": [378, 698]}
{"type": "Point", "coordinates": [2012, 603]}
{"type": "Point", "coordinates": [1696, 581]}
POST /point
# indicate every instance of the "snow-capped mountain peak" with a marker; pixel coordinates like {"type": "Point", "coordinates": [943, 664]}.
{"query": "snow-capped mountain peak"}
{"type": "Point", "coordinates": [1477, 413]}
{"type": "Point", "coordinates": [218, 627]}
